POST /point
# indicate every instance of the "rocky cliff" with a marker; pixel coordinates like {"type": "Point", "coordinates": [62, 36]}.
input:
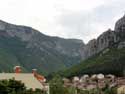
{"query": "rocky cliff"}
{"type": "Point", "coordinates": [30, 48]}
{"type": "Point", "coordinates": [106, 54]}
{"type": "Point", "coordinates": [106, 39]}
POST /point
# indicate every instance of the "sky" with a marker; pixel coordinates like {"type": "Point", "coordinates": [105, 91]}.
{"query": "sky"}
{"type": "Point", "coordinates": [80, 19]}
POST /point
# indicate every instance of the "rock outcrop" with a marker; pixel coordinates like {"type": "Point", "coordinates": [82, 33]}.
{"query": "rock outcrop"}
{"type": "Point", "coordinates": [22, 32]}
{"type": "Point", "coordinates": [106, 40]}
{"type": "Point", "coordinates": [120, 25]}
{"type": "Point", "coordinates": [33, 37]}
{"type": "Point", "coordinates": [121, 45]}
{"type": "Point", "coordinates": [120, 30]}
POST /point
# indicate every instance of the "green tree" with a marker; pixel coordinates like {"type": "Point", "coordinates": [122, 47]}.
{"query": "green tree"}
{"type": "Point", "coordinates": [56, 86]}
{"type": "Point", "coordinates": [12, 86]}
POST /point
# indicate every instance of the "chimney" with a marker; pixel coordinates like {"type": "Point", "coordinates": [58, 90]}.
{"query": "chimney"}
{"type": "Point", "coordinates": [34, 71]}
{"type": "Point", "coordinates": [39, 77]}
{"type": "Point", "coordinates": [17, 69]}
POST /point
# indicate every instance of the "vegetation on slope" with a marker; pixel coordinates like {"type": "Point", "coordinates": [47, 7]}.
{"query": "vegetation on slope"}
{"type": "Point", "coordinates": [14, 52]}
{"type": "Point", "coordinates": [29, 48]}
{"type": "Point", "coordinates": [113, 61]}
{"type": "Point", "coordinates": [12, 86]}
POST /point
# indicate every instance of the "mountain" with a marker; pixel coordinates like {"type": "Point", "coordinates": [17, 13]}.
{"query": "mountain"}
{"type": "Point", "coordinates": [29, 48]}
{"type": "Point", "coordinates": [106, 54]}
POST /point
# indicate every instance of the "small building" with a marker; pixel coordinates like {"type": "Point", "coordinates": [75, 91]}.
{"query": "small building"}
{"type": "Point", "coordinates": [84, 78]}
{"type": "Point", "coordinates": [75, 79]}
{"type": "Point", "coordinates": [94, 77]}
{"type": "Point", "coordinates": [100, 76]}
{"type": "Point", "coordinates": [31, 80]}
{"type": "Point", "coordinates": [121, 89]}
{"type": "Point", "coordinates": [27, 78]}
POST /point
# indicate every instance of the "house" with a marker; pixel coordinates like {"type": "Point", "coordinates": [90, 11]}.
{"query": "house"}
{"type": "Point", "coordinates": [27, 78]}
{"type": "Point", "coordinates": [31, 80]}
{"type": "Point", "coordinates": [75, 79]}
{"type": "Point", "coordinates": [84, 78]}
{"type": "Point", "coordinates": [121, 89]}
{"type": "Point", "coordinates": [100, 76]}
{"type": "Point", "coordinates": [94, 77]}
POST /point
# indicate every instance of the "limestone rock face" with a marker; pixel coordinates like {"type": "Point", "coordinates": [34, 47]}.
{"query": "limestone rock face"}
{"type": "Point", "coordinates": [121, 45]}
{"type": "Point", "coordinates": [2, 25]}
{"type": "Point", "coordinates": [90, 49]}
{"type": "Point", "coordinates": [23, 32]}
{"type": "Point", "coordinates": [120, 25]}
{"type": "Point", "coordinates": [46, 53]}
{"type": "Point", "coordinates": [70, 47]}
{"type": "Point", "coordinates": [106, 40]}
{"type": "Point", "coordinates": [120, 29]}
{"type": "Point", "coordinates": [103, 41]}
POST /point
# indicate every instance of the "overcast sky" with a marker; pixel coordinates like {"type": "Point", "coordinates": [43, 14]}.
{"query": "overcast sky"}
{"type": "Point", "coordinates": [82, 19]}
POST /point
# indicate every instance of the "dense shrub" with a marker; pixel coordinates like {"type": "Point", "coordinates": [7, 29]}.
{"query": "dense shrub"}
{"type": "Point", "coordinates": [12, 86]}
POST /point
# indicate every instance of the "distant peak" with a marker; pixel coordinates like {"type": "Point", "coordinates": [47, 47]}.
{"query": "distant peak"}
{"type": "Point", "coordinates": [120, 24]}
{"type": "Point", "coordinates": [124, 15]}
{"type": "Point", "coordinates": [4, 22]}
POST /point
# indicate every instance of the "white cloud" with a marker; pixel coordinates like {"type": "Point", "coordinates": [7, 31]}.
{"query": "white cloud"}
{"type": "Point", "coordinates": [83, 19]}
{"type": "Point", "coordinates": [78, 5]}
